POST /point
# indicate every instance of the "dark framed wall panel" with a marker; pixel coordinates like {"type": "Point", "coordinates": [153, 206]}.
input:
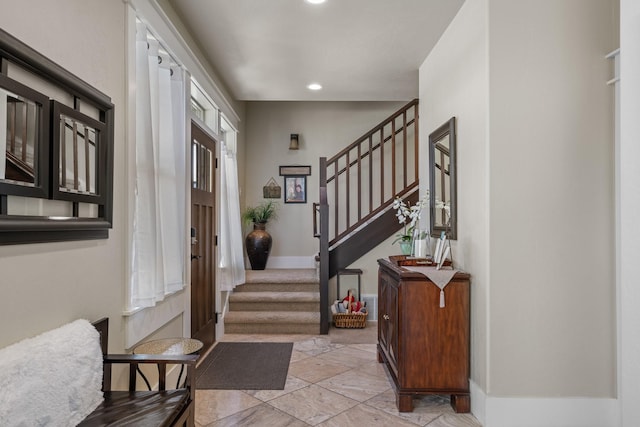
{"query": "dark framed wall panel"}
{"type": "Point", "coordinates": [14, 95]}
{"type": "Point", "coordinates": [90, 176]}
{"type": "Point", "coordinates": [73, 161]}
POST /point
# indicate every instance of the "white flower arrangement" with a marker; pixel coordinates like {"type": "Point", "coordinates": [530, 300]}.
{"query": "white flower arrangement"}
{"type": "Point", "coordinates": [410, 213]}
{"type": "Point", "coordinates": [446, 206]}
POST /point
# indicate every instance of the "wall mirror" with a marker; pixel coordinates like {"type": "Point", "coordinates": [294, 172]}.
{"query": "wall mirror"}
{"type": "Point", "coordinates": [77, 146]}
{"type": "Point", "coordinates": [24, 130]}
{"type": "Point", "coordinates": [442, 180]}
{"type": "Point", "coordinates": [56, 162]}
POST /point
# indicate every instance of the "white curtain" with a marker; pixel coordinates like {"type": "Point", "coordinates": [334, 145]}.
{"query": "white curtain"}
{"type": "Point", "coordinates": [231, 265]}
{"type": "Point", "coordinates": [158, 235]}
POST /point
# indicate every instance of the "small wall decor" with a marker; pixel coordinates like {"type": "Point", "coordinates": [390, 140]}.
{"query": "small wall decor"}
{"type": "Point", "coordinates": [293, 144]}
{"type": "Point", "coordinates": [296, 189]}
{"type": "Point", "coordinates": [295, 170]}
{"type": "Point", "coordinates": [272, 190]}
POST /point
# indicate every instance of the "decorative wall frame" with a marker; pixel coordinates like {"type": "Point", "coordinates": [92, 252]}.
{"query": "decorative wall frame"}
{"type": "Point", "coordinates": [295, 187]}
{"type": "Point", "coordinates": [44, 142]}
{"type": "Point", "coordinates": [272, 190]}
{"type": "Point", "coordinates": [295, 170]}
{"type": "Point", "coordinates": [25, 163]}
{"type": "Point", "coordinates": [78, 143]}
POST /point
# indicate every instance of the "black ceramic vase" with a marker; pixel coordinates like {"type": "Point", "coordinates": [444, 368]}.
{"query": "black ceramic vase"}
{"type": "Point", "coordinates": [258, 244]}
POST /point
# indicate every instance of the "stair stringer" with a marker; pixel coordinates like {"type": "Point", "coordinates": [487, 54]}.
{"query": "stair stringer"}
{"type": "Point", "coordinates": [357, 244]}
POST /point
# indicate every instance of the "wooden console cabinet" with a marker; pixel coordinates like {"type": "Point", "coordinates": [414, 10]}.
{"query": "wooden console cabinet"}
{"type": "Point", "coordinates": [425, 347]}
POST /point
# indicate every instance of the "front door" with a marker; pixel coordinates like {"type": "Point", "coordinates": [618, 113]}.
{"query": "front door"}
{"type": "Point", "coordinates": [203, 255]}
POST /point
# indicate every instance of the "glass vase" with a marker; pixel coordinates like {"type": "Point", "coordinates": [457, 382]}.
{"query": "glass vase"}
{"type": "Point", "coordinates": [405, 247]}
{"type": "Point", "coordinates": [420, 243]}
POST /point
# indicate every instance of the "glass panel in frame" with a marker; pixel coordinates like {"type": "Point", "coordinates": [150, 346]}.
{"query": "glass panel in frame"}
{"type": "Point", "coordinates": [77, 149]}
{"type": "Point", "coordinates": [24, 139]}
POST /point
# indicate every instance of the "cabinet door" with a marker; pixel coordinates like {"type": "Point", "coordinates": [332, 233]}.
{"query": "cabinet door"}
{"type": "Point", "coordinates": [388, 320]}
{"type": "Point", "coordinates": [383, 332]}
{"type": "Point", "coordinates": [393, 325]}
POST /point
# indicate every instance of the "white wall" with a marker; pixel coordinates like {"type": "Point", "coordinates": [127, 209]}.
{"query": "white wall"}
{"type": "Point", "coordinates": [552, 305]}
{"type": "Point", "coordinates": [629, 250]}
{"type": "Point", "coordinates": [453, 82]}
{"type": "Point", "coordinates": [47, 285]}
{"type": "Point", "coordinates": [526, 81]}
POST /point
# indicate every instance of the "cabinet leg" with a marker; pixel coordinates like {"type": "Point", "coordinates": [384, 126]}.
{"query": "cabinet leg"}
{"type": "Point", "coordinates": [404, 402]}
{"type": "Point", "coordinates": [461, 403]}
{"type": "Point", "coordinates": [380, 359]}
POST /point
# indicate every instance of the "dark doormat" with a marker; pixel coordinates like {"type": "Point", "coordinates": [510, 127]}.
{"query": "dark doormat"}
{"type": "Point", "coordinates": [245, 366]}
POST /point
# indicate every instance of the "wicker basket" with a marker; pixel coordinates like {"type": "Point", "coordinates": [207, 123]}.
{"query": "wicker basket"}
{"type": "Point", "coordinates": [350, 320]}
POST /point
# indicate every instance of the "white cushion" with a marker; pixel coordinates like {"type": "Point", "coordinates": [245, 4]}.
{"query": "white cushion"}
{"type": "Point", "coordinates": [54, 379]}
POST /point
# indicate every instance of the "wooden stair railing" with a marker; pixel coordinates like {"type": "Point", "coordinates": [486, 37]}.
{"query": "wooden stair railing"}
{"type": "Point", "coordinates": [357, 187]}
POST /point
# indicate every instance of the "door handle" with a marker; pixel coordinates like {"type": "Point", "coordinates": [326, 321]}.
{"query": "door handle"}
{"type": "Point", "coordinates": [195, 257]}
{"type": "Point", "coordinates": [385, 316]}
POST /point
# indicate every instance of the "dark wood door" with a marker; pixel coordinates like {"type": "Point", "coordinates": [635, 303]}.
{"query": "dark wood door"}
{"type": "Point", "coordinates": [203, 250]}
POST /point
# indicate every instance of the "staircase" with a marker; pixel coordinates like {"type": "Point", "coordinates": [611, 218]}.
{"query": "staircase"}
{"type": "Point", "coordinates": [357, 187]}
{"type": "Point", "coordinates": [276, 301]}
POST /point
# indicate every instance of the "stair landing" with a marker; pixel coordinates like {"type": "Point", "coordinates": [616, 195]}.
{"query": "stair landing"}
{"type": "Point", "coordinates": [275, 301]}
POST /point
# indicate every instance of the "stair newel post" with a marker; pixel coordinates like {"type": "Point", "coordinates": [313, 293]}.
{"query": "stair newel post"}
{"type": "Point", "coordinates": [324, 249]}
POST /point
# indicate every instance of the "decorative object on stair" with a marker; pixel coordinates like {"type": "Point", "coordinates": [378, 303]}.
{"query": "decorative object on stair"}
{"type": "Point", "coordinates": [411, 214]}
{"type": "Point", "coordinates": [259, 241]}
{"type": "Point", "coordinates": [245, 366]}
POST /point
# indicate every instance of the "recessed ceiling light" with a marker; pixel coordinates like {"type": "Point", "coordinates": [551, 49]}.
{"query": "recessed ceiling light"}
{"type": "Point", "coordinates": [314, 86]}
{"type": "Point", "coordinates": [315, 1]}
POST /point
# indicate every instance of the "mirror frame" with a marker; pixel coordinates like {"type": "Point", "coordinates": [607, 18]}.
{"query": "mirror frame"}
{"type": "Point", "coordinates": [21, 229]}
{"type": "Point", "coordinates": [447, 129]}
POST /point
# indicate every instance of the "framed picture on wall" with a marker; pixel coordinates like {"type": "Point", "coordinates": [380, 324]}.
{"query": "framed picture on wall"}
{"type": "Point", "coordinates": [295, 189]}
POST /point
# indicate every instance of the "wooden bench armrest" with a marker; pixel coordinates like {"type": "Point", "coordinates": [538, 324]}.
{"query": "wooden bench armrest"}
{"type": "Point", "coordinates": [189, 359]}
{"type": "Point", "coordinates": [187, 414]}
{"type": "Point", "coordinates": [133, 360]}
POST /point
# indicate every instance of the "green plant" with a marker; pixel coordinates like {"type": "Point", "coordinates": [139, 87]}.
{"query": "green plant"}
{"type": "Point", "coordinates": [260, 213]}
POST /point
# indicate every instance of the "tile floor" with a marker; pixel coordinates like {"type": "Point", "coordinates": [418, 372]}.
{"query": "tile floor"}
{"type": "Point", "coordinates": [334, 380]}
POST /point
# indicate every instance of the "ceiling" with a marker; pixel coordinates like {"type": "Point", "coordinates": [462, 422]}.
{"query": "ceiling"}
{"type": "Point", "coordinates": [358, 50]}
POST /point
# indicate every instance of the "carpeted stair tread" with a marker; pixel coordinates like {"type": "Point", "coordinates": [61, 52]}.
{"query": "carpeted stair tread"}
{"type": "Point", "coordinates": [272, 322]}
{"type": "Point", "coordinates": [272, 317]}
{"type": "Point", "coordinates": [275, 301]}
{"type": "Point", "coordinates": [275, 297]}
{"type": "Point", "coordinates": [277, 287]}
{"type": "Point", "coordinates": [282, 275]}
{"type": "Point", "coordinates": [271, 329]}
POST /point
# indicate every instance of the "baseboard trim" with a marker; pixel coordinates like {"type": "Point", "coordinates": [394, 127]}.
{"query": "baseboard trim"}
{"type": "Point", "coordinates": [543, 412]}
{"type": "Point", "coordinates": [478, 402]}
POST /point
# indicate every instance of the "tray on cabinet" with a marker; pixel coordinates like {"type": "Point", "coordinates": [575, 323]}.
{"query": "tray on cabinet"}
{"type": "Point", "coordinates": [406, 260]}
